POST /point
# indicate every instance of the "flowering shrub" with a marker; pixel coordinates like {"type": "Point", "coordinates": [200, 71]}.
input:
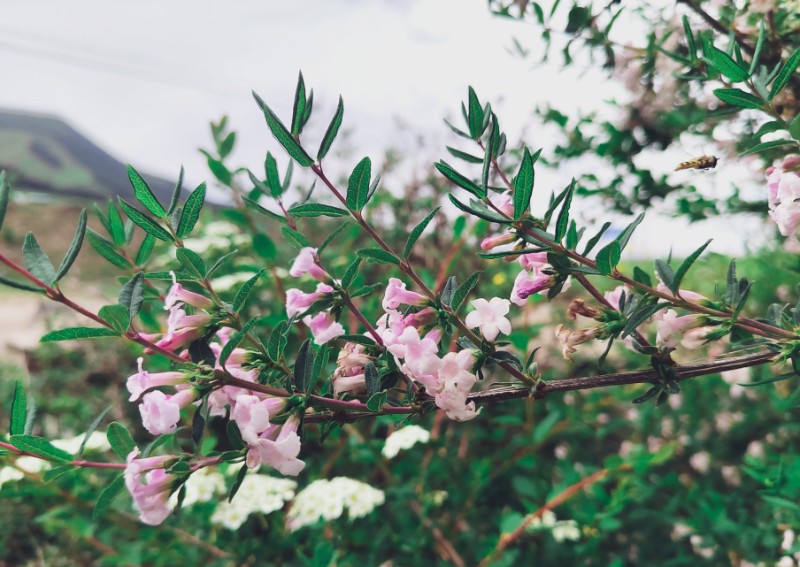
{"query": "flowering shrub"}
{"type": "Point", "coordinates": [230, 386]}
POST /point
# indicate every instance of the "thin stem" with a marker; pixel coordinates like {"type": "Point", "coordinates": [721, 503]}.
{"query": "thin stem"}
{"type": "Point", "coordinates": [76, 463]}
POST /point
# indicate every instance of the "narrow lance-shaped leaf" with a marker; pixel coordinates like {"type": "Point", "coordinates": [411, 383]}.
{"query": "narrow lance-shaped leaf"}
{"type": "Point", "coordinates": [563, 216]}
{"type": "Point", "coordinates": [460, 180]}
{"type": "Point", "coordinates": [690, 43]}
{"type": "Point", "coordinates": [723, 63]}
{"type": "Point", "coordinates": [684, 267]}
{"type": "Point", "coordinates": [107, 497]}
{"type": "Point", "coordinates": [298, 109]}
{"type": "Point", "coordinates": [762, 33]}
{"type": "Point", "coordinates": [475, 115]}
{"type": "Point", "coordinates": [5, 191]}
{"type": "Point", "coordinates": [317, 210]}
{"type": "Point", "coordinates": [75, 333]}
{"type": "Point", "coordinates": [273, 177]}
{"type": "Point", "coordinates": [176, 193]}
{"type": "Point", "coordinates": [106, 250]}
{"type": "Point", "coordinates": [74, 247]}
{"type": "Point", "coordinates": [417, 231]}
{"type": "Point", "coordinates": [192, 261]}
{"type": "Point", "coordinates": [738, 97]}
{"type": "Point", "coordinates": [234, 341]}
{"type": "Point", "coordinates": [191, 211]}
{"type": "Point", "coordinates": [19, 409]}
{"type": "Point", "coordinates": [331, 132]}
{"type": "Point", "coordinates": [785, 74]}
{"type": "Point", "coordinates": [244, 292]}
{"type": "Point", "coordinates": [146, 248]}
{"type": "Point", "coordinates": [132, 295]}
{"type": "Point", "coordinates": [463, 291]}
{"type": "Point", "coordinates": [92, 428]}
{"type": "Point", "coordinates": [665, 273]}
{"type": "Point", "coordinates": [144, 194]}
{"type": "Point", "coordinates": [358, 185]}
{"type": "Point", "coordinates": [608, 258]}
{"type": "Point", "coordinates": [523, 185]}
{"type": "Point", "coordinates": [304, 366]}
{"type": "Point", "coordinates": [284, 136]}
{"type": "Point", "coordinates": [36, 261]}
{"type": "Point", "coordinates": [40, 446]}
{"type": "Point", "coordinates": [144, 222]}
{"type": "Point", "coordinates": [120, 439]}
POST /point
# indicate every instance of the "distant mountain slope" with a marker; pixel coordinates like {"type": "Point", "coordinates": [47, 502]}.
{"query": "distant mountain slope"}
{"type": "Point", "coordinates": [44, 154]}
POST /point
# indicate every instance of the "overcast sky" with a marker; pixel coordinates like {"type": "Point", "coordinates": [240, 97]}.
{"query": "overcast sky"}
{"type": "Point", "coordinates": [143, 79]}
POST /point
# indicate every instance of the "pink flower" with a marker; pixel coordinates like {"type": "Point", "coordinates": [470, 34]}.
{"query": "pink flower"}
{"type": "Point", "coordinates": [695, 338]}
{"type": "Point", "coordinates": [457, 379]}
{"type": "Point", "coordinates": [323, 327]}
{"type": "Point", "coordinates": [503, 202]}
{"type": "Point", "coordinates": [177, 294]}
{"type": "Point", "coordinates": [669, 327]}
{"type": "Point", "coordinates": [308, 263]}
{"type": "Point", "coordinates": [350, 384]}
{"type": "Point", "coordinates": [396, 295]}
{"type": "Point", "coordinates": [615, 295]}
{"type": "Point", "coordinates": [252, 414]}
{"type": "Point", "coordinates": [280, 453]}
{"type": "Point", "coordinates": [528, 283]}
{"type": "Point", "coordinates": [534, 260]}
{"type": "Point", "coordinates": [784, 192]}
{"type": "Point", "coordinates": [182, 329]}
{"type": "Point", "coordinates": [419, 355]}
{"type": "Point", "coordinates": [686, 294]}
{"type": "Point", "coordinates": [161, 413]}
{"type": "Point", "coordinates": [297, 301]}
{"type": "Point", "coordinates": [495, 241]}
{"type": "Point", "coordinates": [143, 380]}
{"type": "Point", "coordinates": [569, 339]}
{"type": "Point", "coordinates": [151, 494]}
{"type": "Point", "coordinates": [490, 317]}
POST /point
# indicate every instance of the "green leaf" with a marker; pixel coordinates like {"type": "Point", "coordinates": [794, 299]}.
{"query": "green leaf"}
{"type": "Point", "coordinates": [234, 341]}
{"type": "Point", "coordinates": [768, 146]}
{"type": "Point", "coordinates": [762, 33]}
{"type": "Point", "coordinates": [768, 128]}
{"type": "Point", "coordinates": [120, 439]}
{"type": "Point", "coordinates": [107, 497]}
{"type": "Point", "coordinates": [273, 177]}
{"type": "Point", "coordinates": [785, 74]}
{"type": "Point", "coordinates": [684, 267]}
{"type": "Point", "coordinates": [642, 277]}
{"type": "Point", "coordinates": [144, 222]}
{"type": "Point", "coordinates": [640, 317]}
{"type": "Point", "coordinates": [460, 180]}
{"type": "Point", "coordinates": [117, 315]}
{"type": "Point", "coordinates": [469, 158]}
{"type": "Point", "coordinates": [331, 132]}
{"type": "Point", "coordinates": [317, 210]}
{"type": "Point", "coordinates": [244, 292]}
{"type": "Point", "coordinates": [358, 185]}
{"type": "Point", "coordinates": [116, 228]}
{"type": "Point", "coordinates": [377, 401]}
{"type": "Point", "coordinates": [372, 379]}
{"type": "Point", "coordinates": [298, 109]}
{"type": "Point", "coordinates": [483, 213]}
{"type": "Point", "coordinates": [284, 136]}
{"type": "Point", "coordinates": [463, 291]}
{"type": "Point", "coordinates": [192, 261]}
{"type": "Point", "coordinates": [92, 428]}
{"type": "Point", "coordinates": [475, 115]}
{"type": "Point", "coordinates": [295, 238]}
{"type": "Point", "coordinates": [608, 258]}
{"type": "Point", "coordinates": [19, 409]}
{"type": "Point", "coordinates": [303, 366]}
{"type": "Point", "coordinates": [690, 43]}
{"type": "Point", "coordinates": [417, 232]}
{"type": "Point", "coordinates": [132, 295]}
{"type": "Point", "coordinates": [5, 192]}
{"type": "Point", "coordinates": [40, 446]}
{"type": "Point", "coordinates": [626, 234]}
{"type": "Point", "coordinates": [36, 261]}
{"type": "Point", "coordinates": [266, 212]}
{"type": "Point", "coordinates": [563, 216]}
{"type": "Point", "coordinates": [176, 193]}
{"type": "Point", "coordinates": [350, 273]}
{"type": "Point", "coordinates": [377, 256]}
{"type": "Point", "coordinates": [74, 247]}
{"type": "Point", "coordinates": [20, 285]}
{"type": "Point", "coordinates": [277, 341]}
{"type": "Point", "coordinates": [665, 273]}
{"type": "Point", "coordinates": [332, 236]}
{"type": "Point", "coordinates": [320, 363]}
{"type": "Point", "coordinates": [596, 238]}
{"type": "Point", "coordinates": [794, 128]}
{"type": "Point", "coordinates": [145, 195]}
{"type": "Point", "coordinates": [77, 333]}
{"type": "Point", "coordinates": [738, 97]}
{"type": "Point", "coordinates": [107, 251]}
{"type": "Point", "coordinates": [723, 63]}
{"type": "Point", "coordinates": [523, 185]}
{"type": "Point", "coordinates": [191, 211]}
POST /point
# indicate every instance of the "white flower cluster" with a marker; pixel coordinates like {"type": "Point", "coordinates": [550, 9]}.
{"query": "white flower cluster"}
{"type": "Point", "coordinates": [403, 439]}
{"type": "Point", "coordinates": [202, 486]}
{"type": "Point", "coordinates": [327, 499]}
{"type": "Point", "coordinates": [565, 530]}
{"type": "Point", "coordinates": [258, 494]}
{"type": "Point", "coordinates": [96, 442]}
{"type": "Point", "coordinates": [219, 235]}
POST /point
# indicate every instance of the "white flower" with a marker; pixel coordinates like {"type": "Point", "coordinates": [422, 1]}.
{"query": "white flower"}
{"type": "Point", "coordinates": [202, 486]}
{"type": "Point", "coordinates": [403, 439]}
{"type": "Point", "coordinates": [567, 530]}
{"type": "Point", "coordinates": [96, 442]}
{"type": "Point", "coordinates": [328, 499]}
{"type": "Point", "coordinates": [258, 494]}
{"type": "Point", "coordinates": [10, 474]}
{"type": "Point", "coordinates": [490, 317]}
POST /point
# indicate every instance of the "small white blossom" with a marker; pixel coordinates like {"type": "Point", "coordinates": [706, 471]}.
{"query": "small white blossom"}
{"type": "Point", "coordinates": [96, 442]}
{"type": "Point", "coordinates": [258, 494]}
{"type": "Point", "coordinates": [490, 316]}
{"type": "Point", "coordinates": [403, 439]}
{"type": "Point", "coordinates": [10, 474]}
{"type": "Point", "coordinates": [328, 499]}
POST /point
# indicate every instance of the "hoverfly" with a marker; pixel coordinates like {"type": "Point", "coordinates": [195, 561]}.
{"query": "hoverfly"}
{"type": "Point", "coordinates": [701, 162]}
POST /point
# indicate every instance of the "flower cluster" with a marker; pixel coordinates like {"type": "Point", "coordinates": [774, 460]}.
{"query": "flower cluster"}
{"type": "Point", "coordinates": [783, 186]}
{"type": "Point", "coordinates": [534, 278]}
{"type": "Point", "coordinates": [327, 500]}
{"type": "Point", "coordinates": [403, 439]}
{"type": "Point", "coordinates": [564, 530]}
{"type": "Point", "coordinates": [258, 494]}
{"type": "Point", "coordinates": [323, 325]}
{"type": "Point", "coordinates": [150, 486]}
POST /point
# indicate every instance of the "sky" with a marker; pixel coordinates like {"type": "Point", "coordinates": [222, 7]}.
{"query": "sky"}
{"type": "Point", "coordinates": [144, 79]}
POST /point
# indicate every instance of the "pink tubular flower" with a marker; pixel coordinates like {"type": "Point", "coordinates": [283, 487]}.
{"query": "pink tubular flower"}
{"type": "Point", "coordinates": [396, 295]}
{"type": "Point", "coordinates": [534, 260]}
{"type": "Point", "coordinates": [279, 453]}
{"type": "Point", "coordinates": [161, 413]}
{"type": "Point", "coordinates": [499, 240]}
{"type": "Point", "coordinates": [182, 329]}
{"type": "Point", "coordinates": [692, 296]}
{"type": "Point", "coordinates": [349, 384]}
{"type": "Point", "coordinates": [419, 355]}
{"type": "Point", "coordinates": [297, 301]}
{"type": "Point", "coordinates": [252, 414]}
{"type": "Point", "coordinates": [177, 294]}
{"type": "Point", "coordinates": [150, 497]}
{"type": "Point", "coordinates": [323, 327]}
{"type": "Point", "coordinates": [308, 263]}
{"type": "Point", "coordinates": [527, 284]}
{"type": "Point", "coordinates": [143, 380]}
{"type": "Point", "coordinates": [783, 195]}
{"type": "Point", "coordinates": [490, 317]}
{"type": "Point", "coordinates": [670, 327]}
{"type": "Point", "coordinates": [457, 379]}
{"type": "Point", "coordinates": [503, 202]}
{"type": "Point", "coordinates": [615, 295]}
